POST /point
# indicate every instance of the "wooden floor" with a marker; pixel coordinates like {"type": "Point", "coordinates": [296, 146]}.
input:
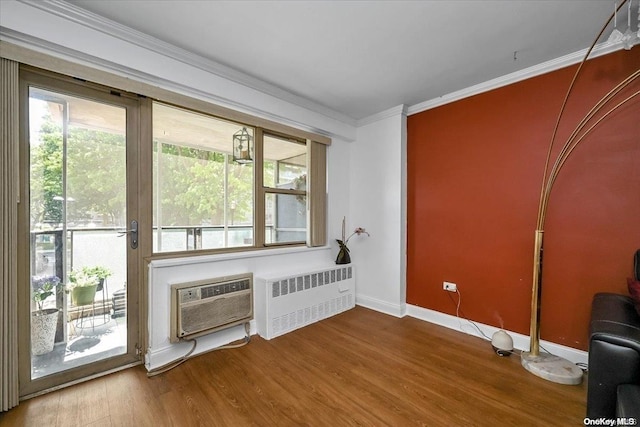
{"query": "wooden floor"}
{"type": "Point", "coordinates": [358, 368]}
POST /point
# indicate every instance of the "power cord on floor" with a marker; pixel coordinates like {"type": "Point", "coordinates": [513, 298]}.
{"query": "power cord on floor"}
{"type": "Point", "coordinates": [458, 311]}
{"type": "Point", "coordinates": [169, 366]}
{"type": "Point", "coordinates": [484, 336]}
{"type": "Point", "coordinates": [583, 366]}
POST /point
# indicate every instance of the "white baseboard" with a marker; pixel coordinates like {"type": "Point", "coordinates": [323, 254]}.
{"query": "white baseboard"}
{"type": "Point", "coordinates": [396, 310]}
{"type": "Point", "coordinates": [520, 341]}
{"type": "Point", "coordinates": [161, 356]}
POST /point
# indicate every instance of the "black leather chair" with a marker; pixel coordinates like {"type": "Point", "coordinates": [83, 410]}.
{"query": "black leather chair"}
{"type": "Point", "coordinates": [613, 388]}
{"type": "Point", "coordinates": [628, 404]}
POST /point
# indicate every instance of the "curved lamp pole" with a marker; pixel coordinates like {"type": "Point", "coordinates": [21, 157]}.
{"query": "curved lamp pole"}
{"type": "Point", "coordinates": [547, 366]}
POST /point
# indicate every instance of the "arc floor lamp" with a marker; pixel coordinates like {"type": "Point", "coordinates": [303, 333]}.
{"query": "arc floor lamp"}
{"type": "Point", "coordinates": [544, 365]}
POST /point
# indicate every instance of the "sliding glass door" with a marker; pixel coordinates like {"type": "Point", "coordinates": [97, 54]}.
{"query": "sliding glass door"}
{"type": "Point", "coordinates": [79, 280]}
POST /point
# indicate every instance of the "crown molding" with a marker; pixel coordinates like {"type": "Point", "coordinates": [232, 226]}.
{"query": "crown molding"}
{"type": "Point", "coordinates": [391, 112]}
{"type": "Point", "coordinates": [96, 22]}
{"type": "Point", "coordinates": [48, 48]}
{"type": "Point", "coordinates": [527, 73]}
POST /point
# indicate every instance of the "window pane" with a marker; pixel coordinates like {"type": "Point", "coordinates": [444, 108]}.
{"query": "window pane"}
{"type": "Point", "coordinates": [285, 163]}
{"type": "Point", "coordinates": [77, 195]}
{"type": "Point", "coordinates": [202, 198]}
{"type": "Point", "coordinates": [286, 218]}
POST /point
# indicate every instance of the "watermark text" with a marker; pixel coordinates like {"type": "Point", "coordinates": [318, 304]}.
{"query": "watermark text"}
{"type": "Point", "coordinates": [620, 421]}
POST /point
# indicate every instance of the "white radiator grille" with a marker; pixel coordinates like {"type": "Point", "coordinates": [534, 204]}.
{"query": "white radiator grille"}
{"type": "Point", "coordinates": [290, 302]}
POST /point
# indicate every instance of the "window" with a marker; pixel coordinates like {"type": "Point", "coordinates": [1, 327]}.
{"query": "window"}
{"type": "Point", "coordinates": [285, 189]}
{"type": "Point", "coordinates": [204, 200]}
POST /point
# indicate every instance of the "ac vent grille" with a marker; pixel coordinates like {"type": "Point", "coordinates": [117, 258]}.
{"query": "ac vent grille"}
{"type": "Point", "coordinates": [200, 317]}
{"type": "Point", "coordinates": [215, 290]}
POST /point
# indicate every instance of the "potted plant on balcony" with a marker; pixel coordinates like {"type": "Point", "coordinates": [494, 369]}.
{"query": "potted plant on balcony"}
{"type": "Point", "coordinates": [82, 287]}
{"type": "Point", "coordinates": [43, 321]}
{"type": "Point", "coordinates": [99, 272]}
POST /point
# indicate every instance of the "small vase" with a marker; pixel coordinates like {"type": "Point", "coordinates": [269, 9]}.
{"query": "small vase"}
{"type": "Point", "coordinates": [343, 255]}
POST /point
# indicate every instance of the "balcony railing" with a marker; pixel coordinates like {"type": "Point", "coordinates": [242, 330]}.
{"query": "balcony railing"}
{"type": "Point", "coordinates": [49, 249]}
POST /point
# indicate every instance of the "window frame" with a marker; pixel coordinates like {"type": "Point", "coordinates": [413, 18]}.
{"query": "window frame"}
{"type": "Point", "coordinates": [197, 100]}
{"type": "Point", "coordinates": [264, 189]}
{"type": "Point", "coordinates": [32, 77]}
{"type": "Point", "coordinates": [316, 184]}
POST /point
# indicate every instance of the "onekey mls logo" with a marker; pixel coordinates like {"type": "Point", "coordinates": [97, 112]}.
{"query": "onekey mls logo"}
{"type": "Point", "coordinates": [621, 421]}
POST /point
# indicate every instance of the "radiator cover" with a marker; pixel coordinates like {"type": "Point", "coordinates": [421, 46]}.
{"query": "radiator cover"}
{"type": "Point", "coordinates": [286, 302]}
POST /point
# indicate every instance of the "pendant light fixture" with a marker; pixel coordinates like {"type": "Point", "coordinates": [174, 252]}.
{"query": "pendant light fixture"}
{"type": "Point", "coordinates": [242, 146]}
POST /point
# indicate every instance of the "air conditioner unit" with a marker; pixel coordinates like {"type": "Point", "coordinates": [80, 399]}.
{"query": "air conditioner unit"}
{"type": "Point", "coordinates": [206, 306]}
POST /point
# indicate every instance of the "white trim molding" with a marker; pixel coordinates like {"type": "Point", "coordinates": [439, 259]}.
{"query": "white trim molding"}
{"type": "Point", "coordinates": [106, 46]}
{"type": "Point", "coordinates": [390, 112]}
{"type": "Point", "coordinates": [381, 306]}
{"type": "Point", "coordinates": [527, 73]}
{"type": "Point", "coordinates": [520, 341]}
{"type": "Point", "coordinates": [259, 253]}
{"type": "Point", "coordinates": [168, 353]}
{"type": "Point", "coordinates": [98, 23]}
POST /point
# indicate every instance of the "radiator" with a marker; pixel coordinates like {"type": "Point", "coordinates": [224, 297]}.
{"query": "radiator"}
{"type": "Point", "coordinates": [287, 302]}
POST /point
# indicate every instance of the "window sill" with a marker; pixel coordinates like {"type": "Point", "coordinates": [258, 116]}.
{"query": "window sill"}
{"type": "Point", "coordinates": [260, 253]}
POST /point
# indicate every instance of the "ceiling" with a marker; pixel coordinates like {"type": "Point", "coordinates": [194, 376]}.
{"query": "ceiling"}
{"type": "Point", "coordinates": [359, 58]}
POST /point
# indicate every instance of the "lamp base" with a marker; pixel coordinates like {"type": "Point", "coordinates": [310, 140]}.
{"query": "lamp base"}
{"type": "Point", "coordinates": [552, 368]}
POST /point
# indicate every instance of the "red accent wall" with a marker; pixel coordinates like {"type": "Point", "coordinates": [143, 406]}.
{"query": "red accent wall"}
{"type": "Point", "coordinates": [474, 177]}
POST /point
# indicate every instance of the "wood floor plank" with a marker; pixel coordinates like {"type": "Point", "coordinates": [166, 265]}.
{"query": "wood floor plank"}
{"type": "Point", "coordinates": [358, 368]}
{"type": "Point", "coordinates": [131, 399]}
{"type": "Point", "coordinates": [40, 412]}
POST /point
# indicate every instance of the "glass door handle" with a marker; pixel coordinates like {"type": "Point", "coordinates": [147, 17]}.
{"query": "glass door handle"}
{"type": "Point", "coordinates": [133, 232]}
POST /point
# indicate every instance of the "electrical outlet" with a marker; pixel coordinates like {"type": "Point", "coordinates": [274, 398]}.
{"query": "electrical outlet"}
{"type": "Point", "coordinates": [448, 286]}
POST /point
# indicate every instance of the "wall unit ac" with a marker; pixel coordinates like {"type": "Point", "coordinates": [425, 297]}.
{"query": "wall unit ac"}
{"type": "Point", "coordinates": [206, 306]}
{"type": "Point", "coordinates": [286, 302]}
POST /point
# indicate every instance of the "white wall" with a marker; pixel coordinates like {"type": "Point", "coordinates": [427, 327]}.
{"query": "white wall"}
{"type": "Point", "coordinates": [378, 203]}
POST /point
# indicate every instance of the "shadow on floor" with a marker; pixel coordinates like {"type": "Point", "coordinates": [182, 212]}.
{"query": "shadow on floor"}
{"type": "Point", "coordinates": [92, 339]}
